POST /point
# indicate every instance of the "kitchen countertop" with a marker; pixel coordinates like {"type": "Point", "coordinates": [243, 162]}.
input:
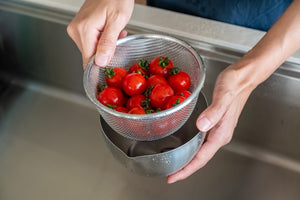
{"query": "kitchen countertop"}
{"type": "Point", "coordinates": [209, 31]}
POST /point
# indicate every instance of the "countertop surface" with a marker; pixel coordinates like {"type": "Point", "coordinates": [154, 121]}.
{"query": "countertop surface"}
{"type": "Point", "coordinates": [213, 32]}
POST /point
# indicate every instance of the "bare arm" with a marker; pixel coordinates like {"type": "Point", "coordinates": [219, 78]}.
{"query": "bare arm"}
{"type": "Point", "coordinates": [237, 81]}
{"type": "Point", "coordinates": [280, 42]}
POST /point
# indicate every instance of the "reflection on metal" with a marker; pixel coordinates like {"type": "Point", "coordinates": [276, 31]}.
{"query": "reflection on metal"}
{"type": "Point", "coordinates": [49, 132]}
{"type": "Point", "coordinates": [160, 157]}
{"type": "Point", "coordinates": [264, 156]}
{"type": "Point", "coordinates": [37, 11]}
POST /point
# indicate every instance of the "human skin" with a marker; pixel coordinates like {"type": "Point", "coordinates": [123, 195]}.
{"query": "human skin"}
{"type": "Point", "coordinates": [237, 81]}
{"type": "Point", "coordinates": [97, 26]}
{"type": "Point", "coordinates": [233, 85]}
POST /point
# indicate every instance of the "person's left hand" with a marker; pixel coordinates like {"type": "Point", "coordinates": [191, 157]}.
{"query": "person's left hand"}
{"type": "Point", "coordinates": [219, 119]}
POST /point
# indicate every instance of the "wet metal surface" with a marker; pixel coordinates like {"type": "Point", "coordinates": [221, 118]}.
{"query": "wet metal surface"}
{"type": "Point", "coordinates": [160, 157]}
{"type": "Point", "coordinates": [50, 147]}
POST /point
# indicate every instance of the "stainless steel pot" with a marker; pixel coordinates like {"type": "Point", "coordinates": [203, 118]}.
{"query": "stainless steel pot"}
{"type": "Point", "coordinates": [159, 157]}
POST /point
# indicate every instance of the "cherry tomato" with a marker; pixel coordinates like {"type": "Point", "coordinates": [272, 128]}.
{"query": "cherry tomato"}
{"type": "Point", "coordinates": [179, 80]}
{"type": "Point", "coordinates": [174, 101]}
{"type": "Point", "coordinates": [156, 79]}
{"type": "Point", "coordinates": [141, 67]}
{"type": "Point", "coordinates": [137, 111]}
{"type": "Point", "coordinates": [134, 83]}
{"type": "Point", "coordinates": [121, 109]}
{"type": "Point", "coordinates": [114, 76]}
{"type": "Point", "coordinates": [160, 66]}
{"type": "Point", "coordinates": [160, 94]}
{"type": "Point", "coordinates": [183, 93]}
{"type": "Point", "coordinates": [112, 96]}
{"type": "Point", "coordinates": [135, 101]}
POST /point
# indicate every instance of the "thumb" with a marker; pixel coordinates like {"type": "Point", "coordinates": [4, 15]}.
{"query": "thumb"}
{"type": "Point", "coordinates": [107, 44]}
{"type": "Point", "coordinates": [213, 114]}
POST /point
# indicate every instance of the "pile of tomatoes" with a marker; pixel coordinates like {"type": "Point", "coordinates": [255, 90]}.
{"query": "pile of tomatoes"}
{"type": "Point", "coordinates": [145, 87]}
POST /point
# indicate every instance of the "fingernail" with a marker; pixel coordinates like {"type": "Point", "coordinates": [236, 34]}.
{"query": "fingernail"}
{"type": "Point", "coordinates": [101, 59]}
{"type": "Point", "coordinates": [171, 181]}
{"type": "Point", "coordinates": [204, 124]}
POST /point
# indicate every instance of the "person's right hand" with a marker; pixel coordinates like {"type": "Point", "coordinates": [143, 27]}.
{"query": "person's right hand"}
{"type": "Point", "coordinates": [97, 26]}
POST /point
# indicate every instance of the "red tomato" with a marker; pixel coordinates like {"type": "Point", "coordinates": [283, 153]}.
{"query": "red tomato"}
{"type": "Point", "coordinates": [114, 76]}
{"type": "Point", "coordinates": [160, 94]}
{"type": "Point", "coordinates": [134, 83]}
{"type": "Point", "coordinates": [112, 96]}
{"type": "Point", "coordinates": [183, 93]}
{"type": "Point", "coordinates": [121, 109]}
{"type": "Point", "coordinates": [160, 66]}
{"type": "Point", "coordinates": [135, 101]}
{"type": "Point", "coordinates": [141, 67]}
{"type": "Point", "coordinates": [174, 101]}
{"type": "Point", "coordinates": [179, 80]}
{"type": "Point", "coordinates": [137, 111]}
{"type": "Point", "coordinates": [156, 79]}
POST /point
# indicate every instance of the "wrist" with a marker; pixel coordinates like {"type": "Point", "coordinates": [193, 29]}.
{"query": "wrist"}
{"type": "Point", "coordinates": [256, 66]}
{"type": "Point", "coordinates": [245, 75]}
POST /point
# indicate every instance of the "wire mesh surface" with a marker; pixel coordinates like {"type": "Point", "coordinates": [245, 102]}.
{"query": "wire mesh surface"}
{"type": "Point", "coordinates": [148, 46]}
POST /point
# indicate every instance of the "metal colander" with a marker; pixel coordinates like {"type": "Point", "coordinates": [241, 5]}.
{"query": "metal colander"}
{"type": "Point", "coordinates": [130, 50]}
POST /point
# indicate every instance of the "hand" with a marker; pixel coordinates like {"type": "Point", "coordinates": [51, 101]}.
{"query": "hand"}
{"type": "Point", "coordinates": [219, 119]}
{"type": "Point", "coordinates": [97, 26]}
{"type": "Point", "coordinates": [235, 84]}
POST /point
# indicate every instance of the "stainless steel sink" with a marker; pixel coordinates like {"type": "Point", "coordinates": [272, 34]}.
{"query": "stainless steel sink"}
{"type": "Point", "coordinates": [50, 141]}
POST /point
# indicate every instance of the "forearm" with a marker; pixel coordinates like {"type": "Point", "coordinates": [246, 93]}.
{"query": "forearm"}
{"type": "Point", "coordinates": [280, 42]}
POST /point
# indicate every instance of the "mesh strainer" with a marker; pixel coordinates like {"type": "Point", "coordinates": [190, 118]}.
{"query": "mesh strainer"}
{"type": "Point", "coordinates": [130, 50]}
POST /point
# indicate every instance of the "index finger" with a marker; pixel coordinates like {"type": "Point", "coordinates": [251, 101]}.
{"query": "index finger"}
{"type": "Point", "coordinates": [107, 43]}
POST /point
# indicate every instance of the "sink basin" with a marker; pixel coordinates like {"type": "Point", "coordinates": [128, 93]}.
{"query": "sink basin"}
{"type": "Point", "coordinates": [50, 147]}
